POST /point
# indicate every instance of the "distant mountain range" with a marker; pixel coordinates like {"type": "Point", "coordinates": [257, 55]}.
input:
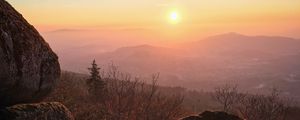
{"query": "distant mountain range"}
{"type": "Point", "coordinates": [254, 62]}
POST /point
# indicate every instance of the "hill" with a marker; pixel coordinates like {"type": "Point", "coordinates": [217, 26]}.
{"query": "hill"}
{"type": "Point", "coordinates": [254, 62]}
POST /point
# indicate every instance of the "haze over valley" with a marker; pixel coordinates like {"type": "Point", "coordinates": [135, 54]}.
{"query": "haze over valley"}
{"type": "Point", "coordinates": [253, 62]}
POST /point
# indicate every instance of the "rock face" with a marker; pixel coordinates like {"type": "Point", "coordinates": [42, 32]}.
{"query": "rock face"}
{"type": "Point", "coordinates": [42, 111]}
{"type": "Point", "coordinates": [207, 115]}
{"type": "Point", "coordinates": [29, 68]}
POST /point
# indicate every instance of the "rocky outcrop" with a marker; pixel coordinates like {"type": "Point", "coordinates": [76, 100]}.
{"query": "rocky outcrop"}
{"type": "Point", "coordinates": [207, 115]}
{"type": "Point", "coordinates": [29, 68]}
{"type": "Point", "coordinates": [41, 111]}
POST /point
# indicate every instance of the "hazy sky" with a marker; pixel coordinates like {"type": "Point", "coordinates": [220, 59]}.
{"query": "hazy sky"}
{"type": "Point", "coordinates": [80, 29]}
{"type": "Point", "coordinates": [197, 17]}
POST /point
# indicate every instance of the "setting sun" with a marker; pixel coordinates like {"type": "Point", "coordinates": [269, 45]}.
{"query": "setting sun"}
{"type": "Point", "coordinates": [174, 17]}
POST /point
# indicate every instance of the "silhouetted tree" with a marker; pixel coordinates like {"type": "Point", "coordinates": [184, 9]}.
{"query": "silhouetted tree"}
{"type": "Point", "coordinates": [265, 107]}
{"type": "Point", "coordinates": [95, 83]}
{"type": "Point", "coordinates": [130, 98]}
{"type": "Point", "coordinates": [227, 96]}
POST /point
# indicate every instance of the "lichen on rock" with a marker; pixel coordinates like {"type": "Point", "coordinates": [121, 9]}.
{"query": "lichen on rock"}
{"type": "Point", "coordinates": [40, 111]}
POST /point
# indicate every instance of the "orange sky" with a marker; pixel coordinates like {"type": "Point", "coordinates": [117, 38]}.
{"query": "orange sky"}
{"type": "Point", "coordinates": [198, 18]}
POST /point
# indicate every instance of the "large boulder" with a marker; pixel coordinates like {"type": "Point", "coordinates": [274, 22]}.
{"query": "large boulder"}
{"type": "Point", "coordinates": [29, 68]}
{"type": "Point", "coordinates": [207, 115]}
{"type": "Point", "coordinates": [41, 111]}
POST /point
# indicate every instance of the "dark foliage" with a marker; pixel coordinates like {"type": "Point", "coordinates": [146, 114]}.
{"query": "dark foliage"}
{"type": "Point", "coordinates": [95, 83]}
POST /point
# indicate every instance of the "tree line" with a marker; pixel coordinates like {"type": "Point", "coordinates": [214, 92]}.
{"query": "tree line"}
{"type": "Point", "coordinates": [114, 95]}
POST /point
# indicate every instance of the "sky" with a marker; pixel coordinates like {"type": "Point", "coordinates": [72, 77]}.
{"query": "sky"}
{"type": "Point", "coordinates": [196, 18]}
{"type": "Point", "coordinates": [81, 29]}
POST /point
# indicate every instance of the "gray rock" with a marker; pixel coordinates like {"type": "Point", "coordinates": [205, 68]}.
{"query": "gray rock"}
{"type": "Point", "coordinates": [41, 111]}
{"type": "Point", "coordinates": [29, 68]}
{"type": "Point", "coordinates": [192, 118]}
{"type": "Point", "coordinates": [218, 115]}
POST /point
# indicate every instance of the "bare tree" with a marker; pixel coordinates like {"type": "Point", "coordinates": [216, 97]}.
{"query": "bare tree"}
{"type": "Point", "coordinates": [270, 106]}
{"type": "Point", "coordinates": [227, 95]}
{"type": "Point", "coordinates": [129, 98]}
{"type": "Point", "coordinates": [265, 107]}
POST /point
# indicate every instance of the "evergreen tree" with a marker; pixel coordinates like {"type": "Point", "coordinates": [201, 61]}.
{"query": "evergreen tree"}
{"type": "Point", "coordinates": [95, 83]}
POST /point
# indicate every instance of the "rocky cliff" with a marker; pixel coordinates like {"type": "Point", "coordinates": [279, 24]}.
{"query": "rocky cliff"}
{"type": "Point", "coordinates": [29, 68]}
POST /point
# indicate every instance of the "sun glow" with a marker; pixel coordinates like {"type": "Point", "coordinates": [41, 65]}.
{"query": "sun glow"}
{"type": "Point", "coordinates": [174, 17]}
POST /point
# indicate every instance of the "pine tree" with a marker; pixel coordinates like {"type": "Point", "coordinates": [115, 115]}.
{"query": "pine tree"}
{"type": "Point", "coordinates": [95, 83]}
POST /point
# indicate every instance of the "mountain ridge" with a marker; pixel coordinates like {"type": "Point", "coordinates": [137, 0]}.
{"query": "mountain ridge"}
{"type": "Point", "coordinates": [215, 38]}
{"type": "Point", "coordinates": [258, 61]}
